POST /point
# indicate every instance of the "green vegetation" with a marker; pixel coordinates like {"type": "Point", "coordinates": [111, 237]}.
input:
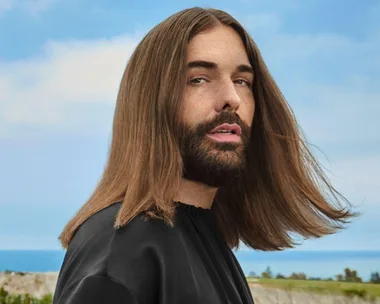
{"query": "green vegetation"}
{"type": "Point", "coordinates": [7, 271]}
{"type": "Point", "coordinates": [6, 298]}
{"type": "Point", "coordinates": [375, 278]}
{"type": "Point", "coordinates": [348, 284]}
{"type": "Point", "coordinates": [363, 290]}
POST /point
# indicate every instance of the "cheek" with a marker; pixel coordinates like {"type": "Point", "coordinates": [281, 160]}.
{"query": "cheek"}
{"type": "Point", "coordinates": [252, 114]}
{"type": "Point", "coordinates": [194, 110]}
{"type": "Point", "coordinates": [248, 114]}
{"type": "Point", "coordinates": [195, 115]}
{"type": "Point", "coordinates": [189, 114]}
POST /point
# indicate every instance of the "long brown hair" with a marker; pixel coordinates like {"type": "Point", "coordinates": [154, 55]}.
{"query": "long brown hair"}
{"type": "Point", "coordinates": [283, 190]}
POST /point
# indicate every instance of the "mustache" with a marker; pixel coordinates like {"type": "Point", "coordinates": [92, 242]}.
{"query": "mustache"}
{"type": "Point", "coordinates": [224, 117]}
{"type": "Point", "coordinates": [188, 133]}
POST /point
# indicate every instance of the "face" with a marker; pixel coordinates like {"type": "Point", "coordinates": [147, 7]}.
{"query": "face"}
{"type": "Point", "coordinates": [218, 97]}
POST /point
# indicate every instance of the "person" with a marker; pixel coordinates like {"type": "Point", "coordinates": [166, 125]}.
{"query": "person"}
{"type": "Point", "coordinates": [205, 154]}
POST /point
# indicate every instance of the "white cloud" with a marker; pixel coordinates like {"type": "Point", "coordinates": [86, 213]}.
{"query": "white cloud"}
{"type": "Point", "coordinates": [330, 80]}
{"type": "Point", "coordinates": [337, 113]}
{"type": "Point", "coordinates": [358, 179]}
{"type": "Point", "coordinates": [39, 91]}
{"type": "Point", "coordinates": [6, 4]}
{"type": "Point", "coordinates": [261, 22]}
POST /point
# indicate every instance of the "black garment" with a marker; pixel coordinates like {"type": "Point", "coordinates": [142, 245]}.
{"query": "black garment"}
{"type": "Point", "coordinates": [148, 262]}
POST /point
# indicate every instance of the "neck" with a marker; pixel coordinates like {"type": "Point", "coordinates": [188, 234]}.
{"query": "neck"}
{"type": "Point", "coordinates": [195, 193]}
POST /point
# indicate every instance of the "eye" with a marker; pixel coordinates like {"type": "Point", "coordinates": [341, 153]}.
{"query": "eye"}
{"type": "Point", "coordinates": [197, 80]}
{"type": "Point", "coordinates": [245, 81]}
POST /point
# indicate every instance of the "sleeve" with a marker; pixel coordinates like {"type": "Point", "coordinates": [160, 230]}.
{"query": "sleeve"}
{"type": "Point", "coordinates": [99, 289]}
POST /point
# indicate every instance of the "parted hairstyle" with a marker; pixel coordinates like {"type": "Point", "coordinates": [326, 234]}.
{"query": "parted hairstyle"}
{"type": "Point", "coordinates": [283, 191]}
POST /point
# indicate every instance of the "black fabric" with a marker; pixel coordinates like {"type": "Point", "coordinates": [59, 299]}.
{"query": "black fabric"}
{"type": "Point", "coordinates": [148, 262]}
{"type": "Point", "coordinates": [99, 289]}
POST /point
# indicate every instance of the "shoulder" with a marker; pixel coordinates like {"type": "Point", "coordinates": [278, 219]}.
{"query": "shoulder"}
{"type": "Point", "coordinates": [133, 255]}
{"type": "Point", "coordinates": [152, 235]}
{"type": "Point", "coordinates": [97, 289]}
{"type": "Point", "coordinates": [97, 229]}
{"type": "Point", "coordinates": [142, 238]}
{"type": "Point", "coordinates": [98, 238]}
{"type": "Point", "coordinates": [88, 250]}
{"type": "Point", "coordinates": [139, 255]}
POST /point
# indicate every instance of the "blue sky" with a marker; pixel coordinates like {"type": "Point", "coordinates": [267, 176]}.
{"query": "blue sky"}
{"type": "Point", "coordinates": [60, 67]}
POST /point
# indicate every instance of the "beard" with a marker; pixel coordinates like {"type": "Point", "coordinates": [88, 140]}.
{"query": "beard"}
{"type": "Point", "coordinates": [208, 161]}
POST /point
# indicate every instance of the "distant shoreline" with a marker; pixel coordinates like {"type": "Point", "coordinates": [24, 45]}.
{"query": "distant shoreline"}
{"type": "Point", "coordinates": [321, 264]}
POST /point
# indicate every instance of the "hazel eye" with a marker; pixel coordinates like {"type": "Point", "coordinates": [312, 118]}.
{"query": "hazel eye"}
{"type": "Point", "coordinates": [248, 84]}
{"type": "Point", "coordinates": [197, 80]}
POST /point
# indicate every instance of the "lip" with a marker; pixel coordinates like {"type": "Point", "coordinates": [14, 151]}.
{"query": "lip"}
{"type": "Point", "coordinates": [225, 137]}
{"type": "Point", "coordinates": [233, 127]}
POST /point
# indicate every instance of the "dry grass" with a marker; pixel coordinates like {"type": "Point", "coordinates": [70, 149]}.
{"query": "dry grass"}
{"type": "Point", "coordinates": [34, 284]}
{"type": "Point", "coordinates": [267, 291]}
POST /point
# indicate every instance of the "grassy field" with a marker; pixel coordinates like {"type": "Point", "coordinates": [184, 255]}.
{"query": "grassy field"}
{"type": "Point", "coordinates": [363, 290]}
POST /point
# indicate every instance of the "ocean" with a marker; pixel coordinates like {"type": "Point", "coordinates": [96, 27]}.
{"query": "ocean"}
{"type": "Point", "coordinates": [322, 264]}
{"type": "Point", "coordinates": [317, 264]}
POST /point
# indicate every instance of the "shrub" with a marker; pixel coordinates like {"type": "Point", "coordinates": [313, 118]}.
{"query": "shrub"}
{"type": "Point", "coordinates": [6, 298]}
{"type": "Point", "coordinates": [298, 276]}
{"type": "Point", "coordinates": [47, 299]}
{"type": "Point", "coordinates": [352, 292]}
{"type": "Point", "coordinates": [375, 278]}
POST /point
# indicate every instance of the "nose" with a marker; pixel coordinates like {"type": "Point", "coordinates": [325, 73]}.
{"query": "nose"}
{"type": "Point", "coordinates": [228, 97]}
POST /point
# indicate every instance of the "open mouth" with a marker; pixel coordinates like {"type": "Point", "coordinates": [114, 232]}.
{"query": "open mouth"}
{"type": "Point", "coordinates": [225, 132]}
{"type": "Point", "coordinates": [227, 129]}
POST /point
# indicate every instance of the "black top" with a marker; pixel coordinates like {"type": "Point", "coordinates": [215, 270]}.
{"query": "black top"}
{"type": "Point", "coordinates": [148, 262]}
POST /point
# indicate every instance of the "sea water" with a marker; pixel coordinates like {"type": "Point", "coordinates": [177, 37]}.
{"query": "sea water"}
{"type": "Point", "coordinates": [322, 264]}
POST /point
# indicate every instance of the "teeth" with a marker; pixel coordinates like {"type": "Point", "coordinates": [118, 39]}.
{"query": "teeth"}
{"type": "Point", "coordinates": [224, 131]}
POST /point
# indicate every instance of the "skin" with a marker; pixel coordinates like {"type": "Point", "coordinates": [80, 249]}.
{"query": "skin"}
{"type": "Point", "coordinates": [208, 93]}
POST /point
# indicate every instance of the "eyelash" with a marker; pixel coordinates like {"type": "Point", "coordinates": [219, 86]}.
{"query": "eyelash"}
{"type": "Point", "coordinates": [247, 82]}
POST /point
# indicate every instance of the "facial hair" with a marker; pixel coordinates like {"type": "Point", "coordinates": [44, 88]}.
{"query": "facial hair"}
{"type": "Point", "coordinates": [208, 161]}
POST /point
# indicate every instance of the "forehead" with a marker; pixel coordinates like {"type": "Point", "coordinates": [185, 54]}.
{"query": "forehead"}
{"type": "Point", "coordinates": [220, 44]}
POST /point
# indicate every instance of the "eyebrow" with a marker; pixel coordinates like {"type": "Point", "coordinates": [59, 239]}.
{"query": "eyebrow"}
{"type": "Point", "coordinates": [243, 68]}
